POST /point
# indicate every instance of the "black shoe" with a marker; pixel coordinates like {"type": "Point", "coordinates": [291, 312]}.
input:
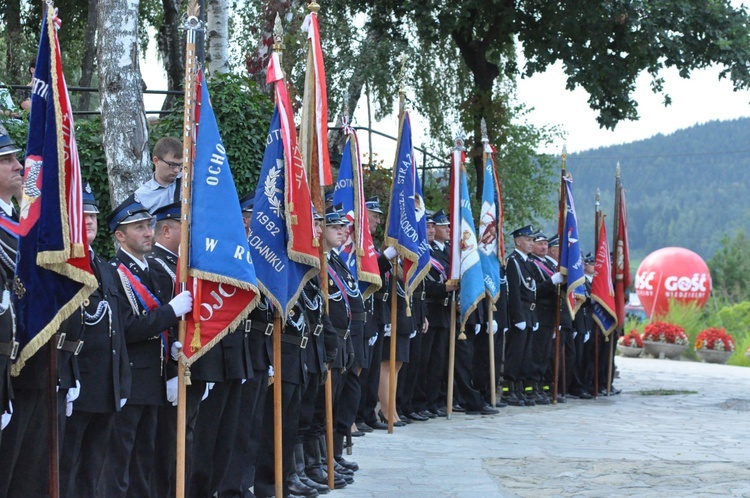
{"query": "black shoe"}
{"type": "Point", "coordinates": [417, 417]}
{"type": "Point", "coordinates": [297, 487]}
{"type": "Point", "coordinates": [322, 489]}
{"type": "Point", "coordinates": [485, 410]}
{"type": "Point", "coordinates": [397, 423]}
{"type": "Point", "coordinates": [347, 464]}
{"type": "Point", "coordinates": [458, 408]}
{"type": "Point", "coordinates": [427, 413]}
{"type": "Point", "coordinates": [561, 398]}
{"type": "Point", "coordinates": [500, 404]}
{"type": "Point", "coordinates": [582, 394]}
{"type": "Point", "coordinates": [357, 433]}
{"type": "Point", "coordinates": [439, 412]}
{"type": "Point", "coordinates": [377, 425]}
{"type": "Point", "coordinates": [363, 427]}
{"type": "Point", "coordinates": [511, 399]}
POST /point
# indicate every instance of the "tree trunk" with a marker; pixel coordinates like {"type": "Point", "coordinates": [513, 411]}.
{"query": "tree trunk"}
{"type": "Point", "coordinates": [15, 69]}
{"type": "Point", "coordinates": [171, 43]}
{"type": "Point", "coordinates": [217, 37]}
{"type": "Point", "coordinates": [124, 129]}
{"type": "Point", "coordinates": [89, 55]}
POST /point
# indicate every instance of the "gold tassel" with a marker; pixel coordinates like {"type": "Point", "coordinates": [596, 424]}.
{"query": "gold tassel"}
{"type": "Point", "coordinates": [316, 243]}
{"type": "Point", "coordinates": [461, 335]}
{"type": "Point", "coordinates": [188, 382]}
{"type": "Point", "coordinates": [195, 343]}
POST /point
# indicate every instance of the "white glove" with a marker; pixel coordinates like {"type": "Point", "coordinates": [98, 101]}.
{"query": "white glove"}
{"type": "Point", "coordinates": [243, 381]}
{"type": "Point", "coordinates": [477, 329]}
{"type": "Point", "coordinates": [73, 393]}
{"type": "Point", "coordinates": [270, 370]}
{"type": "Point", "coordinates": [521, 325]}
{"type": "Point", "coordinates": [6, 416]}
{"type": "Point", "coordinates": [587, 336]}
{"type": "Point", "coordinates": [373, 340]}
{"type": "Point", "coordinates": [413, 334]}
{"type": "Point", "coordinates": [210, 385]}
{"type": "Point", "coordinates": [575, 333]}
{"type": "Point", "coordinates": [68, 408]}
{"type": "Point", "coordinates": [390, 252]}
{"type": "Point", "coordinates": [175, 350]}
{"type": "Point", "coordinates": [207, 390]}
{"type": "Point", "coordinates": [172, 391]}
{"type": "Point", "coordinates": [536, 326]}
{"type": "Point", "coordinates": [182, 303]}
{"type": "Point", "coordinates": [557, 278]}
{"type": "Point", "coordinates": [494, 327]}
{"type": "Point", "coordinates": [123, 401]}
{"type": "Point", "coordinates": [387, 330]}
{"type": "Point", "coordinates": [505, 330]}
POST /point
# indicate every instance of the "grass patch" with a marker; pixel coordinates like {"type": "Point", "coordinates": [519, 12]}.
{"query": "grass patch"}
{"type": "Point", "coordinates": [665, 392]}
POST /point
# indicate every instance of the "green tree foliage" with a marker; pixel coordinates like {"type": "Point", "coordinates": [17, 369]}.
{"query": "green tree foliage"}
{"type": "Point", "coordinates": [730, 267]}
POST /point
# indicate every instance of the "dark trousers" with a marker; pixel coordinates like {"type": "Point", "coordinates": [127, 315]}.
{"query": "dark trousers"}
{"type": "Point", "coordinates": [240, 471]}
{"type": "Point", "coordinates": [517, 352]}
{"type": "Point", "coordinates": [213, 437]}
{"type": "Point", "coordinates": [481, 363]}
{"type": "Point", "coordinates": [407, 383]}
{"type": "Point", "coordinates": [470, 397]}
{"type": "Point", "coordinates": [264, 474]}
{"type": "Point", "coordinates": [568, 379]}
{"type": "Point", "coordinates": [419, 399]}
{"type": "Point", "coordinates": [319, 417]}
{"type": "Point", "coordinates": [86, 443]}
{"type": "Point", "coordinates": [370, 381]}
{"type": "Point", "coordinates": [24, 455]}
{"type": "Point", "coordinates": [307, 430]}
{"type": "Point", "coordinates": [131, 452]}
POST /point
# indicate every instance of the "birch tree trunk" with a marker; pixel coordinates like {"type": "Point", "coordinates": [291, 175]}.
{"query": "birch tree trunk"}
{"type": "Point", "coordinates": [124, 129]}
{"type": "Point", "coordinates": [171, 42]}
{"type": "Point", "coordinates": [217, 37]}
{"type": "Point", "coordinates": [87, 65]}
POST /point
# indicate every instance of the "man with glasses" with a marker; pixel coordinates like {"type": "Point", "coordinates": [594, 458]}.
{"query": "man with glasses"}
{"type": "Point", "coordinates": [165, 185]}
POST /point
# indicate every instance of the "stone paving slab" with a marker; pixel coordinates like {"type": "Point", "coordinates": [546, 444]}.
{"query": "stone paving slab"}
{"type": "Point", "coordinates": [690, 444]}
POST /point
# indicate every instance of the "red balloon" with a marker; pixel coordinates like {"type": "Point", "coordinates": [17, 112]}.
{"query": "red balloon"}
{"type": "Point", "coordinates": [672, 273]}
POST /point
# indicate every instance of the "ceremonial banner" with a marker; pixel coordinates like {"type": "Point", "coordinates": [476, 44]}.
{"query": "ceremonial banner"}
{"type": "Point", "coordinates": [622, 259]}
{"type": "Point", "coordinates": [358, 251]}
{"type": "Point", "coordinates": [464, 243]}
{"type": "Point", "coordinates": [571, 263]}
{"type": "Point", "coordinates": [406, 228]}
{"type": "Point", "coordinates": [602, 291]}
{"type": "Point", "coordinates": [224, 283]}
{"type": "Point", "coordinates": [280, 277]}
{"type": "Point", "coordinates": [316, 100]}
{"type": "Point", "coordinates": [489, 225]}
{"type": "Point", "coordinates": [53, 270]}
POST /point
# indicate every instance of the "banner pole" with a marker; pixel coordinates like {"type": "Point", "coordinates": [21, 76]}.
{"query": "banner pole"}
{"type": "Point", "coordinates": [597, 224]}
{"type": "Point", "coordinates": [558, 301]}
{"type": "Point", "coordinates": [451, 357]}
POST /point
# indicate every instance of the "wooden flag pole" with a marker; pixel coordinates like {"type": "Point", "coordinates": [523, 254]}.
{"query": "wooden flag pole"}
{"type": "Point", "coordinates": [192, 26]}
{"type": "Point", "coordinates": [451, 356]}
{"type": "Point", "coordinates": [490, 304]}
{"type": "Point", "coordinates": [558, 301]}
{"type": "Point", "coordinates": [616, 224]}
{"type": "Point", "coordinates": [598, 220]}
{"type": "Point", "coordinates": [392, 351]}
{"type": "Point", "coordinates": [53, 440]}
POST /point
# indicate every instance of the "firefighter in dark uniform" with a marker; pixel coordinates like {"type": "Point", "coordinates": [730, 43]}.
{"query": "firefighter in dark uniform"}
{"type": "Point", "coordinates": [104, 372]}
{"type": "Point", "coordinates": [521, 317]}
{"type": "Point", "coordinates": [146, 289]}
{"type": "Point", "coordinates": [257, 329]}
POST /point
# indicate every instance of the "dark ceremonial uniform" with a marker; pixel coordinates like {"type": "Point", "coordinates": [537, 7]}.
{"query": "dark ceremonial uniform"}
{"type": "Point", "coordinates": [130, 458]}
{"type": "Point", "coordinates": [409, 373]}
{"type": "Point", "coordinates": [581, 380]}
{"type": "Point", "coordinates": [435, 343]}
{"type": "Point", "coordinates": [105, 379]}
{"type": "Point", "coordinates": [481, 362]}
{"type": "Point", "coordinates": [294, 338]}
{"type": "Point", "coordinates": [521, 308]}
{"type": "Point", "coordinates": [8, 347]}
{"type": "Point", "coordinates": [240, 472]}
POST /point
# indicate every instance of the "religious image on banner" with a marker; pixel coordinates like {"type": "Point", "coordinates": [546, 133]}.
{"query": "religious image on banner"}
{"type": "Point", "coordinates": [224, 283]}
{"type": "Point", "coordinates": [53, 269]}
{"type": "Point", "coordinates": [571, 262]}
{"type": "Point", "coordinates": [488, 230]}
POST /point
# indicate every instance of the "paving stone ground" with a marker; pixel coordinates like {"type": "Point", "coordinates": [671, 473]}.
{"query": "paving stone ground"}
{"type": "Point", "coordinates": [694, 443]}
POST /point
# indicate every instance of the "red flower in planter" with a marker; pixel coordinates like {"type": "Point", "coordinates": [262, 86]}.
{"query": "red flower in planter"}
{"type": "Point", "coordinates": [632, 339]}
{"type": "Point", "coordinates": [665, 332]}
{"type": "Point", "coordinates": [715, 339]}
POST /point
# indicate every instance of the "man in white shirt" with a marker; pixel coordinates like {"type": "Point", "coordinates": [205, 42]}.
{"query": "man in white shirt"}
{"type": "Point", "coordinates": [164, 186]}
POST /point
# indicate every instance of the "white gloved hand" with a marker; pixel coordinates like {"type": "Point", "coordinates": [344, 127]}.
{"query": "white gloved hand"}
{"type": "Point", "coordinates": [477, 329]}
{"type": "Point", "coordinates": [174, 351]}
{"type": "Point", "coordinates": [244, 380]}
{"type": "Point", "coordinates": [494, 327]}
{"type": "Point", "coordinates": [558, 278]}
{"type": "Point", "coordinates": [68, 408]}
{"type": "Point", "coordinates": [387, 330]}
{"type": "Point", "coordinates": [413, 334]}
{"type": "Point", "coordinates": [521, 325]}
{"type": "Point", "coordinates": [210, 385]}
{"type": "Point", "coordinates": [536, 326]}
{"type": "Point", "coordinates": [587, 336]}
{"type": "Point", "coordinates": [270, 370]}
{"type": "Point", "coordinates": [390, 252]}
{"type": "Point", "coordinates": [123, 401]}
{"type": "Point", "coordinates": [73, 393]}
{"type": "Point", "coordinates": [6, 416]}
{"type": "Point", "coordinates": [172, 391]}
{"type": "Point", "coordinates": [373, 340]}
{"type": "Point", "coordinates": [206, 391]}
{"type": "Point", "coordinates": [182, 303]}
{"type": "Point", "coordinates": [575, 333]}
{"type": "Point", "coordinates": [505, 330]}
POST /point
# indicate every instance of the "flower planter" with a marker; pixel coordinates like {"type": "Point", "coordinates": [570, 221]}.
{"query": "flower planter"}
{"type": "Point", "coordinates": [664, 349]}
{"type": "Point", "coordinates": [713, 355]}
{"type": "Point", "coordinates": [629, 351]}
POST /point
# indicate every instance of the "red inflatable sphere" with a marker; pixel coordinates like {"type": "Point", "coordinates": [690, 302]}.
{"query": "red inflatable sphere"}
{"type": "Point", "coordinates": [672, 273]}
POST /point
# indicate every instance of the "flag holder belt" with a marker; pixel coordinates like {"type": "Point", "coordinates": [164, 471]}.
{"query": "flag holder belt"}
{"type": "Point", "coordinates": [265, 327]}
{"type": "Point", "coordinates": [532, 306]}
{"type": "Point", "coordinates": [437, 300]}
{"type": "Point", "coordinates": [68, 346]}
{"type": "Point", "coordinates": [359, 317]}
{"type": "Point", "coordinates": [9, 349]}
{"type": "Point", "coordinates": [343, 333]}
{"type": "Point", "coordinates": [383, 296]}
{"type": "Point", "coordinates": [297, 340]}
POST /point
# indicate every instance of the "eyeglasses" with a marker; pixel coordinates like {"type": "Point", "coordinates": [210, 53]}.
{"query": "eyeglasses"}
{"type": "Point", "coordinates": [171, 164]}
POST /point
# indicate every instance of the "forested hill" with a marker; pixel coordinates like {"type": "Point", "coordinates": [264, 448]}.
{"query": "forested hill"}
{"type": "Point", "coordinates": [687, 189]}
